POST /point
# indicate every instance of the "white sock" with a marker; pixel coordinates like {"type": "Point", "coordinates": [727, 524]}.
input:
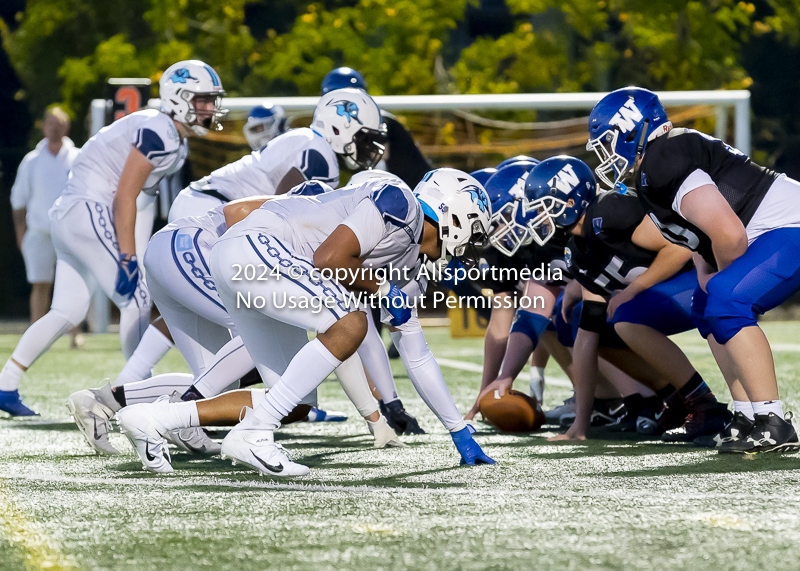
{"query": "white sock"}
{"type": "Point", "coordinates": [256, 396]}
{"type": "Point", "coordinates": [133, 322]}
{"type": "Point", "coordinates": [373, 354]}
{"type": "Point", "coordinates": [150, 350]}
{"type": "Point", "coordinates": [768, 406]}
{"type": "Point", "coordinates": [150, 389]}
{"type": "Point", "coordinates": [231, 363]}
{"type": "Point", "coordinates": [354, 382]}
{"type": "Point", "coordinates": [427, 377]}
{"type": "Point", "coordinates": [40, 336]}
{"type": "Point", "coordinates": [745, 407]}
{"type": "Point", "coordinates": [10, 376]}
{"type": "Point", "coordinates": [180, 415]}
{"type": "Point", "coordinates": [307, 369]}
{"type": "Point", "coordinates": [537, 374]}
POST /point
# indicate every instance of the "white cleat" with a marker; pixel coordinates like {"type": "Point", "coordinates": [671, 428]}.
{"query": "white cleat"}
{"type": "Point", "coordinates": [253, 445]}
{"type": "Point", "coordinates": [140, 423]}
{"type": "Point", "coordinates": [93, 419]}
{"type": "Point", "coordinates": [193, 440]}
{"type": "Point", "coordinates": [383, 433]}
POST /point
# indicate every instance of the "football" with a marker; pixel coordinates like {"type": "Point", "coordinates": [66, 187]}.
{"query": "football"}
{"type": "Point", "coordinates": [512, 412]}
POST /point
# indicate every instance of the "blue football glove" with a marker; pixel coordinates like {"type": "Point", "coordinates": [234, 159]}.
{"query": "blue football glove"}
{"type": "Point", "coordinates": [471, 453]}
{"type": "Point", "coordinates": [454, 274]}
{"type": "Point", "coordinates": [395, 301]}
{"type": "Point", "coordinates": [127, 276]}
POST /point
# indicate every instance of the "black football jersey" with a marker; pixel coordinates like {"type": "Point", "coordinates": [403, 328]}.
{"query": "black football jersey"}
{"type": "Point", "coordinates": [604, 258]}
{"type": "Point", "coordinates": [671, 158]}
{"type": "Point", "coordinates": [550, 256]}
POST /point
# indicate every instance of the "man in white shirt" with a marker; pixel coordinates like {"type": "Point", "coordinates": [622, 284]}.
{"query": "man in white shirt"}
{"type": "Point", "coordinates": [41, 177]}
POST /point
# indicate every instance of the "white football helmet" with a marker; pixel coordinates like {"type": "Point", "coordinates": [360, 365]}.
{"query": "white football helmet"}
{"type": "Point", "coordinates": [363, 176]}
{"type": "Point", "coordinates": [458, 203]}
{"type": "Point", "coordinates": [264, 123]}
{"type": "Point", "coordinates": [351, 122]}
{"type": "Point", "coordinates": [185, 85]}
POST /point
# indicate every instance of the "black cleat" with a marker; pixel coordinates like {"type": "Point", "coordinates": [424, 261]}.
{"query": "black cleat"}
{"type": "Point", "coordinates": [635, 406]}
{"type": "Point", "coordinates": [664, 419]}
{"type": "Point", "coordinates": [737, 428]}
{"type": "Point", "coordinates": [397, 417]}
{"type": "Point", "coordinates": [704, 419]}
{"type": "Point", "coordinates": [770, 433]}
{"type": "Point", "coordinates": [604, 412]}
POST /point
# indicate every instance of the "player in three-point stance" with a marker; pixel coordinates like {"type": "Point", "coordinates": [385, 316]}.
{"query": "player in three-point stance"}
{"type": "Point", "coordinates": [742, 223]}
{"type": "Point", "coordinates": [373, 226]}
{"type": "Point", "coordinates": [93, 221]}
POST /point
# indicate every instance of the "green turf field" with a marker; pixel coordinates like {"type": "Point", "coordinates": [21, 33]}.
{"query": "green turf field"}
{"type": "Point", "coordinates": [603, 505]}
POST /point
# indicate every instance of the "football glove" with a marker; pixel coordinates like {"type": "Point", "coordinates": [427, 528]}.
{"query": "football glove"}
{"type": "Point", "coordinates": [127, 276]}
{"type": "Point", "coordinates": [395, 302]}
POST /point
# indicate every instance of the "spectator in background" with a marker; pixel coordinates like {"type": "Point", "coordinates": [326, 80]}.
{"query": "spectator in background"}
{"type": "Point", "coordinates": [41, 177]}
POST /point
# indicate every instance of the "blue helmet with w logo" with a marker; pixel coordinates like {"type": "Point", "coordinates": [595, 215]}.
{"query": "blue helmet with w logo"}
{"type": "Point", "coordinates": [557, 192]}
{"type": "Point", "coordinates": [620, 126]}
{"type": "Point", "coordinates": [508, 229]}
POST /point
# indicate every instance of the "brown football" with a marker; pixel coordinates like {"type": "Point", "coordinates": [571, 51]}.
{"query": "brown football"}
{"type": "Point", "coordinates": [513, 412]}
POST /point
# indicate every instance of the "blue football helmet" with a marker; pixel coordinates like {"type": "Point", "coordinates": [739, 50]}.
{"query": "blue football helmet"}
{"type": "Point", "coordinates": [515, 160]}
{"type": "Point", "coordinates": [264, 123]}
{"type": "Point", "coordinates": [483, 175]}
{"type": "Point", "coordinates": [508, 228]}
{"type": "Point", "coordinates": [557, 192]}
{"type": "Point", "coordinates": [342, 77]}
{"type": "Point", "coordinates": [620, 126]}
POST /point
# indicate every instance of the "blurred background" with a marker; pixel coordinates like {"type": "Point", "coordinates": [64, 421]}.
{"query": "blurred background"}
{"type": "Point", "coordinates": [64, 52]}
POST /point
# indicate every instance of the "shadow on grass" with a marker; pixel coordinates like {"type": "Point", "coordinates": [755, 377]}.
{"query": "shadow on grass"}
{"type": "Point", "coordinates": [718, 464]}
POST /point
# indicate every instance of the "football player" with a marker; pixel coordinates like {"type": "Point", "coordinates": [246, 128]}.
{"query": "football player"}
{"type": "Point", "coordinates": [742, 223]}
{"type": "Point", "coordinates": [358, 230]}
{"type": "Point", "coordinates": [264, 123]}
{"type": "Point", "coordinates": [93, 220]}
{"type": "Point", "coordinates": [616, 253]}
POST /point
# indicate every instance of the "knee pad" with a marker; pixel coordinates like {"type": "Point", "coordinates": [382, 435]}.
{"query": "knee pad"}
{"type": "Point", "coordinates": [725, 316]}
{"type": "Point", "coordinates": [529, 324]}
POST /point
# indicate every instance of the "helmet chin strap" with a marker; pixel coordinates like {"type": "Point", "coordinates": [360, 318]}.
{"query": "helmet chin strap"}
{"type": "Point", "coordinates": [620, 186]}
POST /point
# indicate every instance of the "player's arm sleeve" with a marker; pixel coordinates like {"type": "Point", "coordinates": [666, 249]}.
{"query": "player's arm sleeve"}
{"type": "Point", "coordinates": [695, 180]}
{"type": "Point", "coordinates": [21, 191]}
{"type": "Point", "coordinates": [314, 166]}
{"type": "Point", "coordinates": [380, 214]}
{"type": "Point", "coordinates": [152, 140]}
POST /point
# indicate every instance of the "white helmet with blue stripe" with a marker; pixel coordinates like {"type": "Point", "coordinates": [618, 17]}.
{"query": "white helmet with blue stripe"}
{"type": "Point", "coordinates": [351, 122]}
{"type": "Point", "coordinates": [459, 205]}
{"type": "Point", "coordinates": [191, 93]}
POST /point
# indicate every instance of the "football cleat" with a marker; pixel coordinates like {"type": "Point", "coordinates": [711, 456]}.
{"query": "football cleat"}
{"type": "Point", "coordinates": [193, 440]}
{"type": "Point", "coordinates": [739, 427]}
{"type": "Point", "coordinates": [706, 418]}
{"type": "Point", "coordinates": [397, 417]}
{"type": "Point", "coordinates": [93, 419]}
{"type": "Point", "coordinates": [666, 418]}
{"type": "Point", "coordinates": [553, 416]}
{"type": "Point", "coordinates": [11, 402]}
{"type": "Point", "coordinates": [471, 452]}
{"type": "Point", "coordinates": [770, 433]}
{"type": "Point", "coordinates": [604, 412]}
{"type": "Point", "coordinates": [636, 406]}
{"type": "Point", "coordinates": [141, 425]}
{"type": "Point", "coordinates": [383, 433]}
{"type": "Point", "coordinates": [253, 445]}
{"type": "Point", "coordinates": [319, 415]}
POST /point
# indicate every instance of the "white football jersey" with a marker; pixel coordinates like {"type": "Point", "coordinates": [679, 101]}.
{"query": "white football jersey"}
{"type": "Point", "coordinates": [96, 172]}
{"type": "Point", "coordinates": [213, 221]}
{"type": "Point", "coordinates": [260, 172]}
{"type": "Point", "coordinates": [384, 216]}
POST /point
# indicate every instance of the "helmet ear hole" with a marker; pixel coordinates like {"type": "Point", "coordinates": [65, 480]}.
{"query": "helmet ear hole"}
{"type": "Point", "coordinates": [335, 130]}
{"type": "Point", "coordinates": [631, 136]}
{"type": "Point", "coordinates": [456, 221]}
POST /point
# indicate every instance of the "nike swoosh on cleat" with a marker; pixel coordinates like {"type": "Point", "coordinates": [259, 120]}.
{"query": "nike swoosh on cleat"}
{"type": "Point", "coordinates": [274, 469]}
{"type": "Point", "coordinates": [659, 414]}
{"type": "Point", "coordinates": [614, 411]}
{"type": "Point", "coordinates": [96, 436]}
{"type": "Point", "coordinates": [150, 457]}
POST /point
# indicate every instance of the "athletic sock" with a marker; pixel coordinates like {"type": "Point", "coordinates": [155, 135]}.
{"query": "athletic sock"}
{"type": "Point", "coordinates": [307, 369]}
{"type": "Point", "coordinates": [671, 397]}
{"type": "Point", "coordinates": [10, 376]}
{"type": "Point", "coordinates": [150, 350]}
{"type": "Point", "coordinates": [150, 389]}
{"type": "Point", "coordinates": [180, 415]}
{"type": "Point", "coordinates": [354, 383]}
{"type": "Point", "coordinates": [745, 407]}
{"type": "Point", "coordinates": [230, 363]}
{"type": "Point", "coordinates": [768, 406]}
{"type": "Point", "coordinates": [696, 391]}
